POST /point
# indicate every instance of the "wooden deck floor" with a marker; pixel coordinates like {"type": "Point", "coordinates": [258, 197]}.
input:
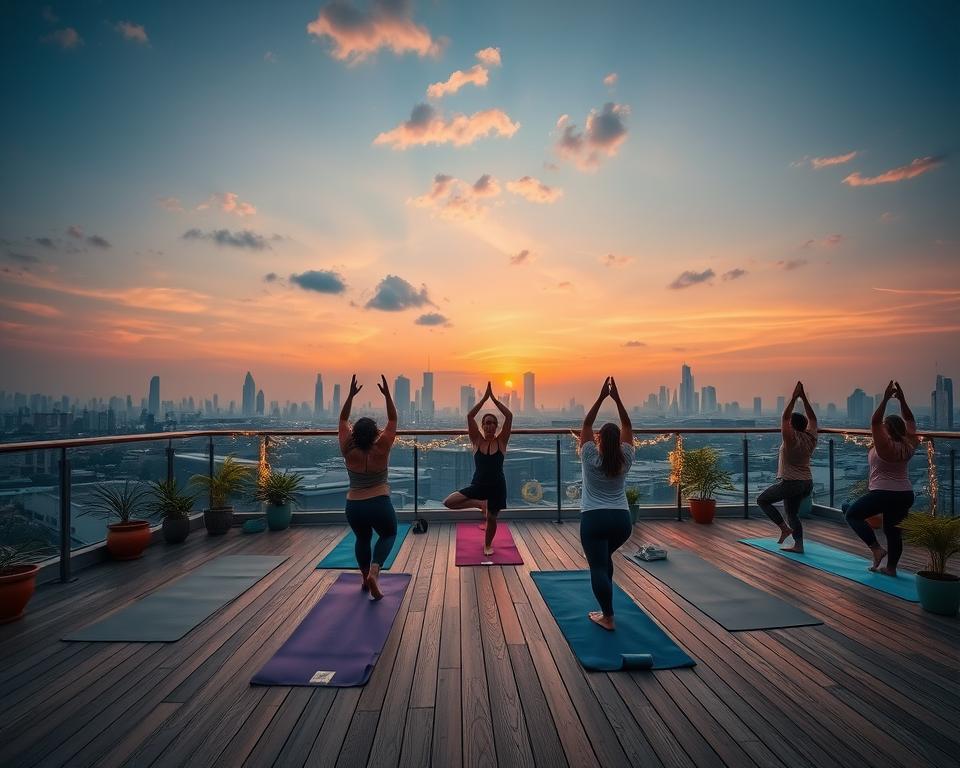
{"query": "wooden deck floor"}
{"type": "Point", "coordinates": [477, 673]}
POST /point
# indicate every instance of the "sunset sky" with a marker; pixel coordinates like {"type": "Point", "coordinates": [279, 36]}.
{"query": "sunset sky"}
{"type": "Point", "coordinates": [766, 191]}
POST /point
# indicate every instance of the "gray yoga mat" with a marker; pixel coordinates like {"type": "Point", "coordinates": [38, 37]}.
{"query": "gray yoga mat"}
{"type": "Point", "coordinates": [732, 603]}
{"type": "Point", "coordinates": [173, 610]}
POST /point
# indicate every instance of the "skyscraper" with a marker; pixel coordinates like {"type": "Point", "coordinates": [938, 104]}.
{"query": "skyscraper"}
{"type": "Point", "coordinates": [859, 407]}
{"type": "Point", "coordinates": [401, 396]}
{"type": "Point", "coordinates": [685, 401]}
{"type": "Point", "coordinates": [426, 396]}
{"type": "Point", "coordinates": [781, 405]}
{"type": "Point", "coordinates": [318, 398]}
{"type": "Point", "coordinates": [260, 403]}
{"type": "Point", "coordinates": [468, 399]}
{"type": "Point", "coordinates": [663, 399]}
{"type": "Point", "coordinates": [757, 406]}
{"type": "Point", "coordinates": [335, 405]}
{"type": "Point", "coordinates": [941, 403]}
{"type": "Point", "coordinates": [708, 399]}
{"type": "Point", "coordinates": [249, 396]}
{"type": "Point", "coordinates": [153, 401]}
{"type": "Point", "coordinates": [529, 393]}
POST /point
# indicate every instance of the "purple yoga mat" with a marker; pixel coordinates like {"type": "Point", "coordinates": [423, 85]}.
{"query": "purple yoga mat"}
{"type": "Point", "coordinates": [338, 643]}
{"type": "Point", "coordinates": [470, 546]}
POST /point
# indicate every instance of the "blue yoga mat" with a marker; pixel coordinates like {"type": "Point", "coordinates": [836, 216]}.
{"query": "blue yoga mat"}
{"type": "Point", "coordinates": [845, 565]}
{"type": "Point", "coordinates": [339, 641]}
{"type": "Point", "coordinates": [343, 556]}
{"type": "Point", "coordinates": [637, 642]}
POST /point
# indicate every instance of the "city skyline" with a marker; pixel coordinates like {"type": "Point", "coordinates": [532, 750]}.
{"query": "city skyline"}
{"type": "Point", "coordinates": [744, 193]}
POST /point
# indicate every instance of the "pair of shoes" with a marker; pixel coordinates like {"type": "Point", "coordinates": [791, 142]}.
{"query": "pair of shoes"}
{"type": "Point", "coordinates": [651, 552]}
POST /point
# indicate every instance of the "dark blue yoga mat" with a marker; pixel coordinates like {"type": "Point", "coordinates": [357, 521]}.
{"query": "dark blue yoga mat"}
{"type": "Point", "coordinates": [637, 642]}
{"type": "Point", "coordinates": [845, 565]}
{"type": "Point", "coordinates": [339, 641]}
{"type": "Point", "coordinates": [343, 556]}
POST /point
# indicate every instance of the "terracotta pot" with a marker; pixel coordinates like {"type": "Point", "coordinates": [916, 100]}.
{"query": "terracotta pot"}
{"type": "Point", "coordinates": [218, 520]}
{"type": "Point", "coordinates": [126, 541]}
{"type": "Point", "coordinates": [175, 529]}
{"type": "Point", "coordinates": [16, 589]}
{"type": "Point", "coordinates": [702, 510]}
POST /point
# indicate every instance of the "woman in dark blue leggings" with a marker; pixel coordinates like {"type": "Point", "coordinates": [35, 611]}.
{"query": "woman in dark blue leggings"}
{"type": "Point", "coordinates": [366, 452]}
{"type": "Point", "coordinates": [605, 515]}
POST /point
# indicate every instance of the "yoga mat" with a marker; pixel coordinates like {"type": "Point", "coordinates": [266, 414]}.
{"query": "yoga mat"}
{"type": "Point", "coordinates": [732, 603]}
{"type": "Point", "coordinates": [470, 546]}
{"type": "Point", "coordinates": [343, 556]}
{"type": "Point", "coordinates": [845, 565]}
{"type": "Point", "coordinates": [637, 642]}
{"type": "Point", "coordinates": [338, 643]}
{"type": "Point", "coordinates": [170, 612]}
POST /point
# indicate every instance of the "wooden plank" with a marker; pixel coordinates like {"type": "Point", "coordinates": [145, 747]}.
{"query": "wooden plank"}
{"type": "Point", "coordinates": [242, 744]}
{"type": "Point", "coordinates": [275, 736]}
{"type": "Point", "coordinates": [416, 738]}
{"type": "Point", "coordinates": [133, 737]}
{"type": "Point", "coordinates": [356, 746]}
{"type": "Point", "coordinates": [478, 741]}
{"type": "Point", "coordinates": [547, 749]}
{"type": "Point", "coordinates": [447, 748]}
{"type": "Point", "coordinates": [306, 730]}
{"type": "Point", "coordinates": [424, 692]}
{"type": "Point", "coordinates": [510, 625]}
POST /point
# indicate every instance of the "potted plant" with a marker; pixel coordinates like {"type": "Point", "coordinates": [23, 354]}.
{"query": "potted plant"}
{"type": "Point", "coordinates": [128, 537]}
{"type": "Point", "coordinates": [279, 491]}
{"type": "Point", "coordinates": [228, 479]}
{"type": "Point", "coordinates": [633, 501]}
{"type": "Point", "coordinates": [939, 591]}
{"type": "Point", "coordinates": [172, 505]}
{"type": "Point", "coordinates": [23, 545]}
{"type": "Point", "coordinates": [699, 474]}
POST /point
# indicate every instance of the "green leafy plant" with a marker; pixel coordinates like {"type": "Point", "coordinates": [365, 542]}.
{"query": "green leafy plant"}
{"type": "Point", "coordinates": [170, 502]}
{"type": "Point", "coordinates": [228, 479]}
{"type": "Point", "coordinates": [278, 488]}
{"type": "Point", "coordinates": [24, 542]}
{"type": "Point", "coordinates": [633, 494]}
{"type": "Point", "coordinates": [940, 536]}
{"type": "Point", "coordinates": [123, 503]}
{"type": "Point", "coordinates": [699, 473]}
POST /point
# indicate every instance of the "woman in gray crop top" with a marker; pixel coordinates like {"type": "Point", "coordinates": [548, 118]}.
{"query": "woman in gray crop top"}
{"type": "Point", "coordinates": [366, 453]}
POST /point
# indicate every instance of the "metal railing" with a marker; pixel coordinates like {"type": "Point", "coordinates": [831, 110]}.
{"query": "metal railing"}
{"type": "Point", "coordinates": [64, 445]}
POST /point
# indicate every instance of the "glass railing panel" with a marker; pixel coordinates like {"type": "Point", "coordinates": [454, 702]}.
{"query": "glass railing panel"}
{"type": "Point", "coordinates": [29, 506]}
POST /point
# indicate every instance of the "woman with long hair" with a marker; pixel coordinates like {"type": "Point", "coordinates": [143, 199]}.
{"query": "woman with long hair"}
{"type": "Point", "coordinates": [890, 492]}
{"type": "Point", "coordinates": [488, 488]}
{"type": "Point", "coordinates": [366, 452]}
{"type": "Point", "coordinates": [605, 515]}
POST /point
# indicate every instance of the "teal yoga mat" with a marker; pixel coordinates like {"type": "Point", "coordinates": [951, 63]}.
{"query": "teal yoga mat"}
{"type": "Point", "coordinates": [845, 565]}
{"type": "Point", "coordinates": [342, 555]}
{"type": "Point", "coordinates": [167, 614]}
{"type": "Point", "coordinates": [637, 642]}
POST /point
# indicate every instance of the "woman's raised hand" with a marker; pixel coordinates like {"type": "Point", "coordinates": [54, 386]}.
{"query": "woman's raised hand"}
{"type": "Point", "coordinates": [605, 389]}
{"type": "Point", "coordinates": [382, 386]}
{"type": "Point", "coordinates": [354, 387]}
{"type": "Point", "coordinates": [614, 392]}
{"type": "Point", "coordinates": [890, 391]}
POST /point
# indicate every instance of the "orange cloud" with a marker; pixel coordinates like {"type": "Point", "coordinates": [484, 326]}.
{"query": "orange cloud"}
{"type": "Point", "coordinates": [135, 32]}
{"type": "Point", "coordinates": [610, 80]}
{"type": "Point", "coordinates": [358, 34]}
{"type": "Point", "coordinates": [67, 38]}
{"type": "Point", "coordinates": [458, 200]}
{"type": "Point", "coordinates": [534, 190]}
{"type": "Point", "coordinates": [610, 260]}
{"type": "Point", "coordinates": [917, 167]}
{"type": "Point", "coordinates": [31, 308]}
{"type": "Point", "coordinates": [477, 74]}
{"type": "Point", "coordinates": [428, 126]}
{"type": "Point", "coordinates": [489, 56]}
{"type": "Point", "coordinates": [826, 162]}
{"type": "Point", "coordinates": [228, 202]}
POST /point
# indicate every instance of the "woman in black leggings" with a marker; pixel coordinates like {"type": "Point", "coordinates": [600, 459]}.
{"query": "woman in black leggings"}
{"type": "Point", "coordinates": [891, 494]}
{"type": "Point", "coordinates": [605, 515]}
{"type": "Point", "coordinates": [366, 452]}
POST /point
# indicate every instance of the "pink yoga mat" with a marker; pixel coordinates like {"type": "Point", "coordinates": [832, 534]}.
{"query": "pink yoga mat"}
{"type": "Point", "coordinates": [470, 546]}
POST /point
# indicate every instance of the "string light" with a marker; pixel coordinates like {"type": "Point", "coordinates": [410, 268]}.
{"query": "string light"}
{"type": "Point", "coordinates": [933, 482]}
{"type": "Point", "coordinates": [860, 440]}
{"type": "Point", "coordinates": [676, 461]}
{"type": "Point", "coordinates": [263, 465]}
{"type": "Point", "coordinates": [424, 447]}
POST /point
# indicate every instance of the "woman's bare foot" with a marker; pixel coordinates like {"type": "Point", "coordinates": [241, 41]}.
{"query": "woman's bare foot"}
{"type": "Point", "coordinates": [372, 584]}
{"type": "Point", "coordinates": [887, 571]}
{"type": "Point", "coordinates": [604, 621]}
{"type": "Point", "coordinates": [798, 548]}
{"type": "Point", "coordinates": [878, 554]}
{"type": "Point", "coordinates": [488, 551]}
{"type": "Point", "coordinates": [784, 533]}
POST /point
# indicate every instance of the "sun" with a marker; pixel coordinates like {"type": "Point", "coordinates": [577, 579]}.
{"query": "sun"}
{"type": "Point", "coordinates": [508, 383]}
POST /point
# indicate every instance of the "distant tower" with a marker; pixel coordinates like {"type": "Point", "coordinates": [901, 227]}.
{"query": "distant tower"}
{"type": "Point", "coordinates": [153, 402]}
{"type": "Point", "coordinates": [426, 396]}
{"type": "Point", "coordinates": [781, 404]}
{"type": "Point", "coordinates": [401, 396]}
{"type": "Point", "coordinates": [529, 393]}
{"type": "Point", "coordinates": [335, 405]}
{"type": "Point", "coordinates": [468, 399]}
{"type": "Point", "coordinates": [318, 398]}
{"type": "Point", "coordinates": [757, 406]}
{"type": "Point", "coordinates": [663, 400]}
{"type": "Point", "coordinates": [941, 403]}
{"type": "Point", "coordinates": [249, 396]}
{"type": "Point", "coordinates": [260, 403]}
{"type": "Point", "coordinates": [686, 391]}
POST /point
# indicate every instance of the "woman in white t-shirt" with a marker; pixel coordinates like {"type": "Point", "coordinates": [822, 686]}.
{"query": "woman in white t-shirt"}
{"type": "Point", "coordinates": [605, 515]}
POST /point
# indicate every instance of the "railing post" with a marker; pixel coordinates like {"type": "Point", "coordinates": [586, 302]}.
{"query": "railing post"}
{"type": "Point", "coordinates": [559, 497]}
{"type": "Point", "coordinates": [210, 468]}
{"type": "Point", "coordinates": [416, 478]}
{"type": "Point", "coordinates": [65, 549]}
{"type": "Point", "coordinates": [679, 492]}
{"type": "Point", "coordinates": [170, 454]}
{"type": "Point", "coordinates": [953, 492]}
{"type": "Point", "coordinates": [746, 479]}
{"type": "Point", "coordinates": [831, 472]}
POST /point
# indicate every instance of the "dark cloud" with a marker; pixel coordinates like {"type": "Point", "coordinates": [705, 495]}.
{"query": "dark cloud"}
{"type": "Point", "coordinates": [733, 274]}
{"type": "Point", "coordinates": [46, 242]}
{"type": "Point", "coordinates": [98, 242]}
{"type": "Point", "coordinates": [23, 258]}
{"type": "Point", "coordinates": [394, 294]}
{"type": "Point", "coordinates": [270, 277]}
{"type": "Point", "coordinates": [75, 231]}
{"type": "Point", "coordinates": [432, 318]}
{"type": "Point", "coordinates": [243, 239]}
{"type": "Point", "coordinates": [791, 264]}
{"type": "Point", "coordinates": [521, 258]}
{"type": "Point", "coordinates": [605, 131]}
{"type": "Point", "coordinates": [688, 279]}
{"type": "Point", "coordinates": [635, 344]}
{"type": "Point", "coordinates": [320, 280]}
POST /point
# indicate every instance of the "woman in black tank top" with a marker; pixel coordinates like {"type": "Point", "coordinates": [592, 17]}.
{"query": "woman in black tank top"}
{"type": "Point", "coordinates": [488, 489]}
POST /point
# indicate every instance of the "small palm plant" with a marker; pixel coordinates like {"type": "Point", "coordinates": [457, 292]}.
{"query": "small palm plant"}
{"type": "Point", "coordinates": [169, 501]}
{"type": "Point", "coordinates": [940, 536]}
{"type": "Point", "coordinates": [278, 488]}
{"type": "Point", "coordinates": [123, 503]}
{"type": "Point", "coordinates": [699, 473]}
{"type": "Point", "coordinates": [227, 480]}
{"type": "Point", "coordinates": [23, 542]}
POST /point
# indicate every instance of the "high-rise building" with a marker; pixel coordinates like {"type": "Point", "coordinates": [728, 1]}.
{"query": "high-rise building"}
{"type": "Point", "coordinates": [401, 397]}
{"type": "Point", "coordinates": [426, 396]}
{"type": "Point", "coordinates": [941, 403]}
{"type": "Point", "coordinates": [663, 399]}
{"type": "Point", "coordinates": [685, 402]}
{"type": "Point", "coordinates": [514, 401]}
{"type": "Point", "coordinates": [318, 398]}
{"type": "Point", "coordinates": [757, 406]}
{"type": "Point", "coordinates": [468, 399]}
{"type": "Point", "coordinates": [153, 399]}
{"type": "Point", "coordinates": [335, 404]}
{"type": "Point", "coordinates": [529, 393]}
{"type": "Point", "coordinates": [781, 405]}
{"type": "Point", "coordinates": [249, 405]}
{"type": "Point", "coordinates": [708, 399]}
{"type": "Point", "coordinates": [859, 407]}
{"type": "Point", "coordinates": [260, 403]}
